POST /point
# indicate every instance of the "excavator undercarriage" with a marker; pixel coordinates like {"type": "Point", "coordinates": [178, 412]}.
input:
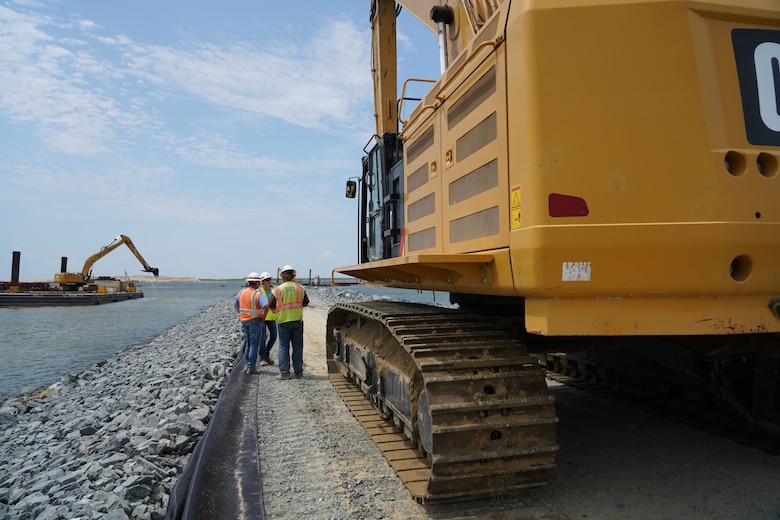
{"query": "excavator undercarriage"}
{"type": "Point", "coordinates": [458, 402]}
{"type": "Point", "coordinates": [467, 411]}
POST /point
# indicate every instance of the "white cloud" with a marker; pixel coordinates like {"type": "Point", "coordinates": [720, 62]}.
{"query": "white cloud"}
{"type": "Point", "coordinates": [69, 90]}
{"type": "Point", "coordinates": [108, 133]}
{"type": "Point", "coordinates": [48, 85]}
{"type": "Point", "coordinates": [316, 83]}
{"type": "Point", "coordinates": [218, 152]}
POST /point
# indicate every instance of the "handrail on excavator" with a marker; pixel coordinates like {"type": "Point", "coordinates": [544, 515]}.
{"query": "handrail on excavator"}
{"type": "Point", "coordinates": [404, 98]}
{"type": "Point", "coordinates": [440, 95]}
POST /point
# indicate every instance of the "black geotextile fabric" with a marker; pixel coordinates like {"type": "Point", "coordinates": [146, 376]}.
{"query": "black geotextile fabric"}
{"type": "Point", "coordinates": [222, 478]}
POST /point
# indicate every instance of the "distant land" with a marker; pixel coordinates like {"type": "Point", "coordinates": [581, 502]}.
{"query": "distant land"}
{"type": "Point", "coordinates": [150, 279]}
{"type": "Point", "coordinates": [160, 279]}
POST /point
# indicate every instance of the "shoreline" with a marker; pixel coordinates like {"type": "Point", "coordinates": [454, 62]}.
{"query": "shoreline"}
{"type": "Point", "coordinates": [141, 279]}
{"type": "Point", "coordinates": [146, 279]}
{"type": "Point", "coordinates": [33, 391]}
{"type": "Point", "coordinates": [114, 438]}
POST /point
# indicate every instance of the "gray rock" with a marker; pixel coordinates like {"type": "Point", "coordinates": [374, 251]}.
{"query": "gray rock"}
{"type": "Point", "coordinates": [111, 441]}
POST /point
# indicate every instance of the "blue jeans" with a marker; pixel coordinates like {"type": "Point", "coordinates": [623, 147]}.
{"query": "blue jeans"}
{"type": "Point", "coordinates": [254, 330]}
{"type": "Point", "coordinates": [291, 333]}
{"type": "Point", "coordinates": [271, 331]}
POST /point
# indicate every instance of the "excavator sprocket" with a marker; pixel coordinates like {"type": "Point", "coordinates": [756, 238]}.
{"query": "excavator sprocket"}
{"type": "Point", "coordinates": [459, 408]}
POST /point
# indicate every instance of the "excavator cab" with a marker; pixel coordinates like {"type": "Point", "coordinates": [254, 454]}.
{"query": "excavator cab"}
{"type": "Point", "coordinates": [381, 208]}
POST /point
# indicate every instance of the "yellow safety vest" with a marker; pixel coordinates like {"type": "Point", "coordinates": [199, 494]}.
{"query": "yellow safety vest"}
{"type": "Point", "coordinates": [289, 302]}
{"type": "Point", "coordinates": [270, 315]}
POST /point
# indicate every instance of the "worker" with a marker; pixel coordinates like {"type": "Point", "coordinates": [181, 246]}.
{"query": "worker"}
{"type": "Point", "coordinates": [287, 301]}
{"type": "Point", "coordinates": [270, 323]}
{"type": "Point", "coordinates": [251, 305]}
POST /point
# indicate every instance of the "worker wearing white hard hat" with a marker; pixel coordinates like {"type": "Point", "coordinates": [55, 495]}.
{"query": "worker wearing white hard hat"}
{"type": "Point", "coordinates": [270, 323]}
{"type": "Point", "coordinates": [251, 305]}
{"type": "Point", "coordinates": [288, 301]}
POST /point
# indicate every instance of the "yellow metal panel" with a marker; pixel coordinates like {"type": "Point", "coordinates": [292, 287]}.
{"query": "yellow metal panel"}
{"type": "Point", "coordinates": [651, 259]}
{"type": "Point", "coordinates": [446, 167]}
{"type": "Point", "coordinates": [483, 273]}
{"type": "Point", "coordinates": [427, 157]}
{"type": "Point", "coordinates": [635, 108]}
{"type": "Point", "coordinates": [384, 66]}
{"type": "Point", "coordinates": [650, 316]}
{"type": "Point", "coordinates": [625, 173]}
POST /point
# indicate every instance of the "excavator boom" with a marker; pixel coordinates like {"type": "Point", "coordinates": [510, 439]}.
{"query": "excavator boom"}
{"type": "Point", "coordinates": [118, 241]}
{"type": "Point", "coordinates": [86, 271]}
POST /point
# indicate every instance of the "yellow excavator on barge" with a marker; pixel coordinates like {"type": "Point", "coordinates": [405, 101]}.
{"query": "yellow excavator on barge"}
{"type": "Point", "coordinates": [596, 184]}
{"type": "Point", "coordinates": [74, 281]}
{"type": "Point", "coordinates": [73, 288]}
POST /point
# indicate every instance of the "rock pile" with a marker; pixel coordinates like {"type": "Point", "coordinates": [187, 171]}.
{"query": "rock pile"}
{"type": "Point", "coordinates": [111, 442]}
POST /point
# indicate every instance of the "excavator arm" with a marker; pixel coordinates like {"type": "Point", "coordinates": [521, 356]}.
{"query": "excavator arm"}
{"type": "Point", "coordinates": [384, 65]}
{"type": "Point", "coordinates": [86, 271]}
{"type": "Point", "coordinates": [147, 268]}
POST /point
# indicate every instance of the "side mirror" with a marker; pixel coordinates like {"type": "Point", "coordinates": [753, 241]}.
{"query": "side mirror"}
{"type": "Point", "coordinates": [351, 189]}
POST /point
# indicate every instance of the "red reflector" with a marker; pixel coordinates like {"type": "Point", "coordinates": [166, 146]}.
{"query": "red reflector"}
{"type": "Point", "coordinates": [566, 206]}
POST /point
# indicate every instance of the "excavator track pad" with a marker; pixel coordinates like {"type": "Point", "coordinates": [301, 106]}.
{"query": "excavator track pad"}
{"type": "Point", "coordinates": [457, 407]}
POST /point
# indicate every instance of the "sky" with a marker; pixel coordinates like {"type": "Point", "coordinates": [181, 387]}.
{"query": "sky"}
{"type": "Point", "coordinates": [218, 136]}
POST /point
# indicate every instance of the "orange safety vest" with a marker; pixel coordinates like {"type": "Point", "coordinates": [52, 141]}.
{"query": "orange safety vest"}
{"type": "Point", "coordinates": [247, 304]}
{"type": "Point", "coordinates": [289, 302]}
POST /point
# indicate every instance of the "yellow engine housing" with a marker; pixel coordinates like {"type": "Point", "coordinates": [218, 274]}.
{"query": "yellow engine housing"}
{"type": "Point", "coordinates": [612, 163]}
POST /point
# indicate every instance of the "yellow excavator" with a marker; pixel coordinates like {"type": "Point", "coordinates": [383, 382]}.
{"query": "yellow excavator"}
{"type": "Point", "coordinates": [76, 280]}
{"type": "Point", "coordinates": [596, 184]}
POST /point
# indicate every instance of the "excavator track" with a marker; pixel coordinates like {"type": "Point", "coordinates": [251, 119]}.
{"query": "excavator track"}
{"type": "Point", "coordinates": [458, 408]}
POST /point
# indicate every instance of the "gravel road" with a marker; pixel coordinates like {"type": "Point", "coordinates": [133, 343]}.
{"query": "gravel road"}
{"type": "Point", "coordinates": [615, 462]}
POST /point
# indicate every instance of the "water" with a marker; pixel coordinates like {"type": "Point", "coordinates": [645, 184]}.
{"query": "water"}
{"type": "Point", "coordinates": [408, 295]}
{"type": "Point", "coordinates": [40, 345]}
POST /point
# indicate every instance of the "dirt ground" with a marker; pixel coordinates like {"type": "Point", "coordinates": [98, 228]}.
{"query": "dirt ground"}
{"type": "Point", "coordinates": [615, 462]}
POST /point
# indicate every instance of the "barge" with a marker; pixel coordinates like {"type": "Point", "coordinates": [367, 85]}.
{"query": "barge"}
{"type": "Point", "coordinates": [61, 298]}
{"type": "Point", "coordinates": [43, 294]}
{"type": "Point", "coordinates": [69, 289]}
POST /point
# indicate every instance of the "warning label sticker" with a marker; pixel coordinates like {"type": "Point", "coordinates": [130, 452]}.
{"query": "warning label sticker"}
{"type": "Point", "coordinates": [516, 209]}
